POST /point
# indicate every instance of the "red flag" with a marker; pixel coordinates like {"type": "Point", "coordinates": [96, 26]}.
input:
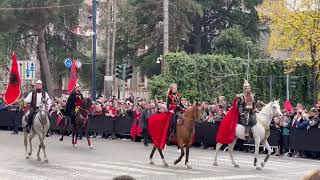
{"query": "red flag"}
{"type": "Point", "coordinates": [136, 128]}
{"type": "Point", "coordinates": [73, 78]}
{"type": "Point", "coordinates": [158, 126]}
{"type": "Point", "coordinates": [59, 119]}
{"type": "Point", "coordinates": [227, 128]}
{"type": "Point", "coordinates": [288, 106]}
{"type": "Point", "coordinates": [13, 90]}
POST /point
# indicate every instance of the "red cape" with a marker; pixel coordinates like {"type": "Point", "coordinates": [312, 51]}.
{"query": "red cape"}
{"type": "Point", "coordinates": [136, 128]}
{"type": "Point", "coordinates": [227, 128]}
{"type": "Point", "coordinates": [158, 126]}
{"type": "Point", "coordinates": [13, 90]}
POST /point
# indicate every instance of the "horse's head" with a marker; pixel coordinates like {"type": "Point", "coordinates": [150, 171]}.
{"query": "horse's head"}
{"type": "Point", "coordinates": [86, 103]}
{"type": "Point", "coordinates": [43, 107]}
{"type": "Point", "coordinates": [275, 108]}
{"type": "Point", "coordinates": [197, 112]}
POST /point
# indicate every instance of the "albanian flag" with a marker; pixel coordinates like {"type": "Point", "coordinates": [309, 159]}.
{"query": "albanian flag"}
{"type": "Point", "coordinates": [227, 128]}
{"type": "Point", "coordinates": [136, 128]}
{"type": "Point", "coordinates": [73, 78]}
{"type": "Point", "coordinates": [158, 126]}
{"type": "Point", "coordinates": [288, 106]}
{"type": "Point", "coordinates": [13, 90]}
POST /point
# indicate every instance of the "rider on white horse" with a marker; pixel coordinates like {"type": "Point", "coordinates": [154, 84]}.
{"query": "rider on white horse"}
{"type": "Point", "coordinates": [247, 108]}
{"type": "Point", "coordinates": [34, 99]}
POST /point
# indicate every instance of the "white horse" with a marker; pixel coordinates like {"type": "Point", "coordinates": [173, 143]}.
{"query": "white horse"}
{"type": "Point", "coordinates": [260, 131]}
{"type": "Point", "coordinates": [39, 127]}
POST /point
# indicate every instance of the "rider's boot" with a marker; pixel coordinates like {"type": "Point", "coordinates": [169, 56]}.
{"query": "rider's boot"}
{"type": "Point", "coordinates": [28, 126]}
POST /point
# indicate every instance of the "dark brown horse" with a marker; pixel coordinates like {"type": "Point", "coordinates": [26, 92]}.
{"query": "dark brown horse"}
{"type": "Point", "coordinates": [185, 131]}
{"type": "Point", "coordinates": [81, 121]}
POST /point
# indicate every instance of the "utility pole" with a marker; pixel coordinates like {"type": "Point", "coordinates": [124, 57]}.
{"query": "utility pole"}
{"type": "Point", "coordinates": [94, 47]}
{"type": "Point", "coordinates": [270, 87]}
{"type": "Point", "coordinates": [124, 67]}
{"type": "Point", "coordinates": [114, 33]}
{"type": "Point", "coordinates": [288, 96]}
{"type": "Point", "coordinates": [108, 78]}
{"type": "Point", "coordinates": [165, 33]}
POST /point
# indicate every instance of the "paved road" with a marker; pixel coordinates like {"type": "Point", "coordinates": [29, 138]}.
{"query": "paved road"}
{"type": "Point", "coordinates": [110, 158]}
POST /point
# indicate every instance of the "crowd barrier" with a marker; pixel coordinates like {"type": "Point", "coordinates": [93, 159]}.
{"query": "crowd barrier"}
{"type": "Point", "coordinates": [300, 139]}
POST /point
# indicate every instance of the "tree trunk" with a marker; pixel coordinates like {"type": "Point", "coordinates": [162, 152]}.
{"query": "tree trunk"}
{"type": "Point", "coordinates": [315, 74]}
{"type": "Point", "coordinates": [44, 61]}
{"type": "Point", "coordinates": [197, 35]}
{"type": "Point", "coordinates": [108, 83]}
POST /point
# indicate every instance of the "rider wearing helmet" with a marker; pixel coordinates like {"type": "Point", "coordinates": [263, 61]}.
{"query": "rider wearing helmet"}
{"type": "Point", "coordinates": [246, 104]}
{"type": "Point", "coordinates": [34, 100]}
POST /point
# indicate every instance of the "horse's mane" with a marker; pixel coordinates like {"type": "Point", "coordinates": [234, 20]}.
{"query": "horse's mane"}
{"type": "Point", "coordinates": [192, 113]}
{"type": "Point", "coordinates": [263, 110]}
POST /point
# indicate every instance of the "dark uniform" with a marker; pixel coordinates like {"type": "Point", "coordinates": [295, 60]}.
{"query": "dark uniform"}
{"type": "Point", "coordinates": [74, 100]}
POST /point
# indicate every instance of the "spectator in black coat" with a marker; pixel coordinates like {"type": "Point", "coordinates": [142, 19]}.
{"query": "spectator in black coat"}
{"type": "Point", "coordinates": [144, 123]}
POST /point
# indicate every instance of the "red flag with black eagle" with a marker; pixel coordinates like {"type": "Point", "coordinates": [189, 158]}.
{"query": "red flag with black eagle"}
{"type": "Point", "coordinates": [228, 125]}
{"type": "Point", "coordinates": [73, 78]}
{"type": "Point", "coordinates": [13, 90]}
{"type": "Point", "coordinates": [158, 126]}
{"type": "Point", "coordinates": [136, 127]}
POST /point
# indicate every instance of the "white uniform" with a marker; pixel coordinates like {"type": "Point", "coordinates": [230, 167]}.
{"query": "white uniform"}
{"type": "Point", "coordinates": [28, 99]}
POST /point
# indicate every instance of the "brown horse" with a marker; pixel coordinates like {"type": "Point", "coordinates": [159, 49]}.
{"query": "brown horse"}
{"type": "Point", "coordinates": [185, 131]}
{"type": "Point", "coordinates": [81, 121]}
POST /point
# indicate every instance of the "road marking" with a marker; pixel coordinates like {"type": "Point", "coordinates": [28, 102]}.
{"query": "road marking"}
{"type": "Point", "coordinates": [140, 164]}
{"type": "Point", "coordinates": [124, 169]}
{"type": "Point", "coordinates": [236, 177]}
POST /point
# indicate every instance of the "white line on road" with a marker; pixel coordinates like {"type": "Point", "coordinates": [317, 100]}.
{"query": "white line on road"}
{"type": "Point", "coordinates": [236, 177]}
{"type": "Point", "coordinates": [124, 169]}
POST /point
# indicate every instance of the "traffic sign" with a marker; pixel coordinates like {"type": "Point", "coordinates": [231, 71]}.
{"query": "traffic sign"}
{"type": "Point", "coordinates": [78, 63]}
{"type": "Point", "coordinates": [68, 62]}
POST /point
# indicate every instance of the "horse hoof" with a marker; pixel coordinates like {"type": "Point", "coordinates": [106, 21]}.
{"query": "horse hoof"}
{"type": "Point", "coordinates": [258, 168]}
{"type": "Point", "coordinates": [29, 154]}
{"type": "Point", "coordinates": [236, 166]}
{"type": "Point", "coordinates": [60, 139]}
{"type": "Point", "coordinates": [38, 159]}
{"type": "Point", "coordinates": [165, 165]}
{"type": "Point", "coordinates": [27, 157]}
{"type": "Point", "coordinates": [46, 161]}
{"type": "Point", "coordinates": [215, 164]}
{"type": "Point", "coordinates": [262, 164]}
{"type": "Point", "coordinates": [75, 145]}
{"type": "Point", "coordinates": [189, 167]}
{"type": "Point", "coordinates": [91, 147]}
{"type": "Point", "coordinates": [175, 162]}
{"type": "Point", "coordinates": [151, 163]}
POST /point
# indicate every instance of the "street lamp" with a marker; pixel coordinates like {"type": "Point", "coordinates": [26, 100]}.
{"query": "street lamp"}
{"type": "Point", "coordinates": [248, 43]}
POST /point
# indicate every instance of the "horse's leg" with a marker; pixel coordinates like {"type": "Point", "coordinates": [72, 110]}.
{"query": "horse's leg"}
{"type": "Point", "coordinates": [181, 156]}
{"type": "Point", "coordinates": [33, 134]}
{"type": "Point", "coordinates": [87, 135]}
{"type": "Point", "coordinates": [266, 144]}
{"type": "Point", "coordinates": [151, 155]}
{"type": "Point", "coordinates": [66, 123]}
{"type": "Point", "coordinates": [165, 164]}
{"type": "Point", "coordinates": [44, 148]}
{"type": "Point", "coordinates": [40, 146]}
{"type": "Point", "coordinates": [230, 151]}
{"type": "Point", "coordinates": [256, 152]}
{"type": "Point", "coordinates": [26, 143]}
{"type": "Point", "coordinates": [218, 147]}
{"type": "Point", "coordinates": [187, 157]}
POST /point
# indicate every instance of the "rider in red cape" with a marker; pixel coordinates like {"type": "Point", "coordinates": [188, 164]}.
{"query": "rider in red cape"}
{"type": "Point", "coordinates": [227, 128]}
